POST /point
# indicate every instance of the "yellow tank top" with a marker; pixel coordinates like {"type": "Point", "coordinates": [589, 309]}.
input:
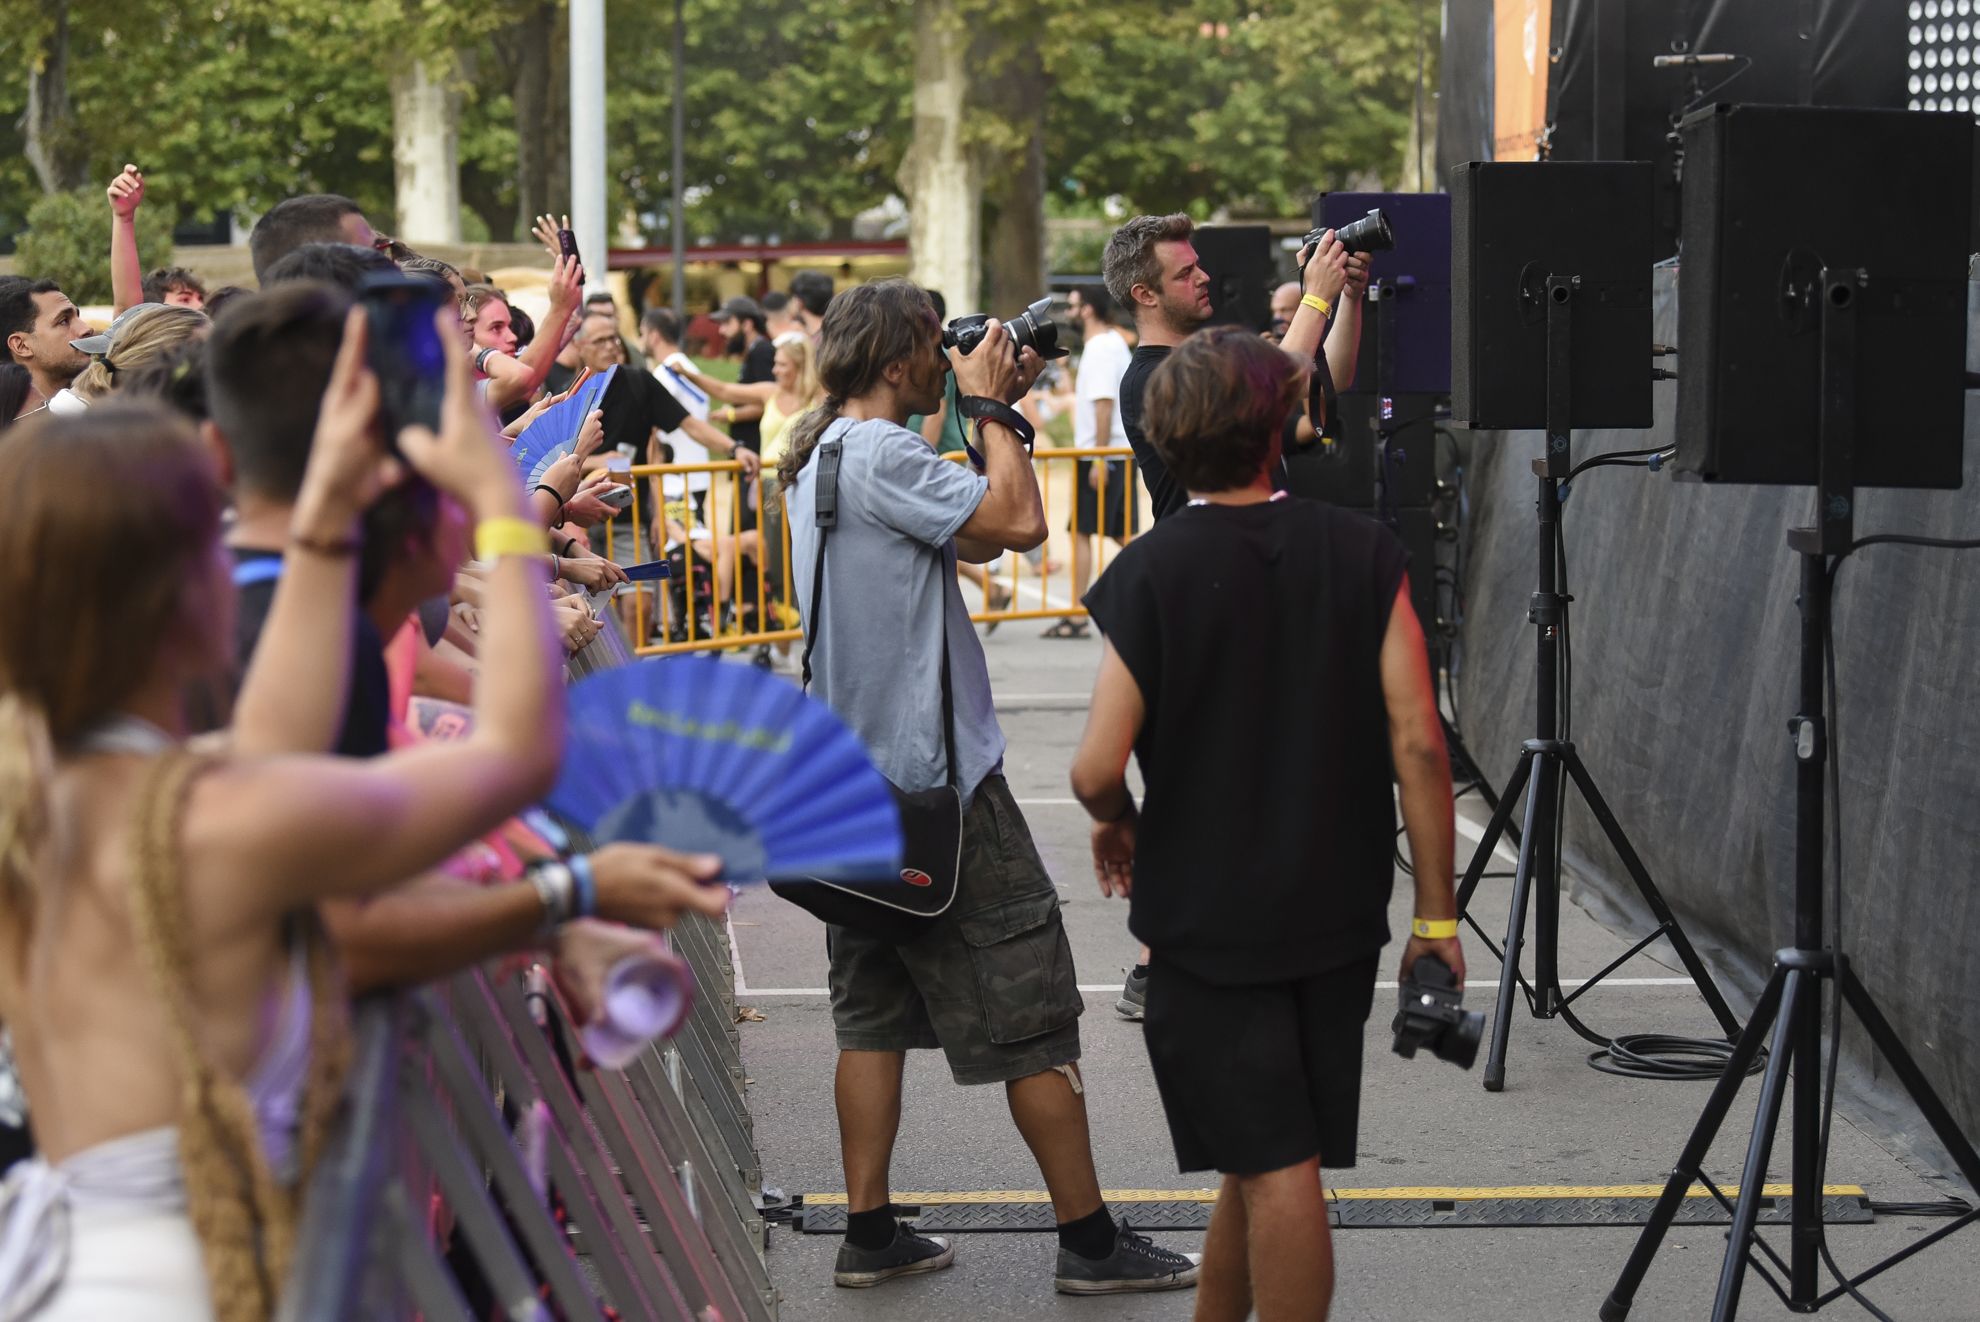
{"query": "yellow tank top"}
{"type": "Point", "coordinates": [771, 429]}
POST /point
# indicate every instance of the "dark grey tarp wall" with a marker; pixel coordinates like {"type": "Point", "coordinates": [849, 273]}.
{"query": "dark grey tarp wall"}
{"type": "Point", "coordinates": [1464, 94]}
{"type": "Point", "coordinates": [1685, 646]}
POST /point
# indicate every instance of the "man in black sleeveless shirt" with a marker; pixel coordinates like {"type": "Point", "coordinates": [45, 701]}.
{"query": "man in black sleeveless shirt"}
{"type": "Point", "coordinates": [1258, 867]}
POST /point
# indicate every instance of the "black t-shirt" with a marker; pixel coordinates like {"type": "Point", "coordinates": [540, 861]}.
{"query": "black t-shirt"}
{"type": "Point", "coordinates": [1255, 635]}
{"type": "Point", "coordinates": [1165, 495]}
{"type": "Point", "coordinates": [634, 404]}
{"type": "Point", "coordinates": [368, 709]}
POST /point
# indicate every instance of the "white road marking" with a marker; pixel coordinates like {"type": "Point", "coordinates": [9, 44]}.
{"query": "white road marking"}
{"type": "Point", "coordinates": [1475, 984]}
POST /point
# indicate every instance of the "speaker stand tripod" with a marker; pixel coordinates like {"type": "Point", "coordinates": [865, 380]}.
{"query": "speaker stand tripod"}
{"type": "Point", "coordinates": [1548, 763]}
{"type": "Point", "coordinates": [1791, 1004]}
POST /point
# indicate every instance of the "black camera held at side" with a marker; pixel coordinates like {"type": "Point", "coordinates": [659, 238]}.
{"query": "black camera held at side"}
{"type": "Point", "coordinates": [1033, 326]}
{"type": "Point", "coordinates": [1430, 1013]}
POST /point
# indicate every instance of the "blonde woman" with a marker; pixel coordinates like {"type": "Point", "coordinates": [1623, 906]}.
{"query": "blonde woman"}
{"type": "Point", "coordinates": [177, 1020]}
{"type": "Point", "coordinates": [138, 336]}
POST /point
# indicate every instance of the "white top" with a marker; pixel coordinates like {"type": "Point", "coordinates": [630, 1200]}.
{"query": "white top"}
{"type": "Point", "coordinates": [695, 401]}
{"type": "Point", "coordinates": [1101, 367]}
{"type": "Point", "coordinates": [68, 402]}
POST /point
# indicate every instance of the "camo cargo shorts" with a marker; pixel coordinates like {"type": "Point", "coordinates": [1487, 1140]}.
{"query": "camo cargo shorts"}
{"type": "Point", "coordinates": [991, 982]}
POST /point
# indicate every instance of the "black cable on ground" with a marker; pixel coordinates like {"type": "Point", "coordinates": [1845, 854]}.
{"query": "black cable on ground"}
{"type": "Point", "coordinates": [1632, 1055]}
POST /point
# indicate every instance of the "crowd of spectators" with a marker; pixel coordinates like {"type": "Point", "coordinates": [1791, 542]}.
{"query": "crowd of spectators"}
{"type": "Point", "coordinates": [234, 603]}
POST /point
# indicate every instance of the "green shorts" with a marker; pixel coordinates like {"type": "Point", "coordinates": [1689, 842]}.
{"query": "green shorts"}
{"type": "Point", "coordinates": [991, 982]}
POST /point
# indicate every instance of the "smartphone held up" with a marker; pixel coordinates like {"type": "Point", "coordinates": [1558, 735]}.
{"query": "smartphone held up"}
{"type": "Point", "coordinates": [406, 354]}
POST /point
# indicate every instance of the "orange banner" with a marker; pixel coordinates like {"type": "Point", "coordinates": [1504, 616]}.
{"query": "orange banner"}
{"type": "Point", "coordinates": [1522, 30]}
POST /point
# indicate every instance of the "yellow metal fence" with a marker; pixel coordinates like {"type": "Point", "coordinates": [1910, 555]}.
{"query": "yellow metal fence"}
{"type": "Point", "coordinates": [733, 586]}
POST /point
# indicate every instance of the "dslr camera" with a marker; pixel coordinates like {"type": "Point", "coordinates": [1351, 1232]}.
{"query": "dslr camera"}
{"type": "Point", "coordinates": [1369, 234]}
{"type": "Point", "coordinates": [1033, 326]}
{"type": "Point", "coordinates": [1430, 1013]}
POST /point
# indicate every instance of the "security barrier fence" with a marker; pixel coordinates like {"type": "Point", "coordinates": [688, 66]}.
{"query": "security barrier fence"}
{"type": "Point", "coordinates": [478, 1173]}
{"type": "Point", "coordinates": [732, 586]}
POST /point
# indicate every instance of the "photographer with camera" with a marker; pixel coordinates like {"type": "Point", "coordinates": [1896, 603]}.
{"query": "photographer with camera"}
{"type": "Point", "coordinates": [990, 980]}
{"type": "Point", "coordinates": [1151, 269]}
{"type": "Point", "coordinates": [1258, 867]}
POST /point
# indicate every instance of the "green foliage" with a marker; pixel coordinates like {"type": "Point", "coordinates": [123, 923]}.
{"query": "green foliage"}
{"type": "Point", "coordinates": [68, 241]}
{"type": "Point", "coordinates": [798, 111]}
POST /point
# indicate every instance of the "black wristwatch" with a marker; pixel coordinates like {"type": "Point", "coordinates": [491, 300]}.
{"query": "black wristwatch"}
{"type": "Point", "coordinates": [983, 408]}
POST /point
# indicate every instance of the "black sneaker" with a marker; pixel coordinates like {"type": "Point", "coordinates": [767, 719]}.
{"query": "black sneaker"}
{"type": "Point", "coordinates": [1137, 1263]}
{"type": "Point", "coordinates": [1133, 1002]}
{"type": "Point", "coordinates": [909, 1253]}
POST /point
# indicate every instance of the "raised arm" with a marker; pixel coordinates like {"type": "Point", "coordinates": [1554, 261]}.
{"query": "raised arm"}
{"type": "Point", "coordinates": [126, 270]}
{"type": "Point", "coordinates": [1344, 332]}
{"type": "Point", "coordinates": [732, 392]}
{"type": "Point", "coordinates": [319, 827]}
{"type": "Point", "coordinates": [1326, 273]}
{"type": "Point", "coordinates": [1011, 516]}
{"type": "Point", "coordinates": [513, 379]}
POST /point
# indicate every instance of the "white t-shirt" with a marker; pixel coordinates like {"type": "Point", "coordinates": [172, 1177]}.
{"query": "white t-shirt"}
{"type": "Point", "coordinates": [1101, 367]}
{"type": "Point", "coordinates": [695, 400]}
{"type": "Point", "coordinates": [67, 402]}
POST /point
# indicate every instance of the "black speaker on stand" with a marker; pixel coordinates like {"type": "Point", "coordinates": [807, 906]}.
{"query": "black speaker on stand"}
{"type": "Point", "coordinates": [1552, 293]}
{"type": "Point", "coordinates": [1852, 333]}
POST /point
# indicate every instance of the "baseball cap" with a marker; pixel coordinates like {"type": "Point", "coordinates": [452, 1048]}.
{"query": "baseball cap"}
{"type": "Point", "coordinates": [747, 309]}
{"type": "Point", "coordinates": [100, 343]}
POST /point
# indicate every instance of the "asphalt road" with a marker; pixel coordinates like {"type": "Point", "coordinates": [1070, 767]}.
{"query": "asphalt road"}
{"type": "Point", "coordinates": [1424, 1123]}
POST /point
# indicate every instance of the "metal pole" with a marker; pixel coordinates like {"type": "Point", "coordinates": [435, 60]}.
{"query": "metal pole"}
{"type": "Point", "coordinates": [678, 227]}
{"type": "Point", "coordinates": [588, 136]}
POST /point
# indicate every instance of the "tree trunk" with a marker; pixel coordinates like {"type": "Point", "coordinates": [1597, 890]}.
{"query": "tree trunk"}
{"type": "Point", "coordinates": [536, 127]}
{"type": "Point", "coordinates": [426, 155]}
{"type": "Point", "coordinates": [939, 175]}
{"type": "Point", "coordinates": [1015, 184]}
{"type": "Point", "coordinates": [54, 145]}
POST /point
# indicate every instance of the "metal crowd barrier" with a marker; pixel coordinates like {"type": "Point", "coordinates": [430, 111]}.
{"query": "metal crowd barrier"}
{"type": "Point", "coordinates": [760, 586]}
{"type": "Point", "coordinates": [423, 1205]}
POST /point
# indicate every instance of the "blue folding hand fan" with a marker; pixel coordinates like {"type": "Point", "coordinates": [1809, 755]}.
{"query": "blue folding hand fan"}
{"type": "Point", "coordinates": [707, 756]}
{"type": "Point", "coordinates": [554, 433]}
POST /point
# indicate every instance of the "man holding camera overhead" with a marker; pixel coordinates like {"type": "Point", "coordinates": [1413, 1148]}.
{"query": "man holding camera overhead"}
{"type": "Point", "coordinates": [990, 981]}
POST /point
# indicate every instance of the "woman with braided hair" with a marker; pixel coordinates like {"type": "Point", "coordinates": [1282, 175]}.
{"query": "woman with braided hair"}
{"type": "Point", "coordinates": [177, 1021]}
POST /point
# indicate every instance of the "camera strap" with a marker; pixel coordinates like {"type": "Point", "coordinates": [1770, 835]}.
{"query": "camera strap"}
{"type": "Point", "coordinates": [983, 408]}
{"type": "Point", "coordinates": [825, 509]}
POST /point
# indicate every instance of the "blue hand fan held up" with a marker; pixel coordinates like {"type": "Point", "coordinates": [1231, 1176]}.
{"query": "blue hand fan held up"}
{"type": "Point", "coordinates": [555, 431]}
{"type": "Point", "coordinates": [707, 756]}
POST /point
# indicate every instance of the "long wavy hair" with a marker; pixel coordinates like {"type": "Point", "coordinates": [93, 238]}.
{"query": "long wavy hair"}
{"type": "Point", "coordinates": [867, 329]}
{"type": "Point", "coordinates": [73, 647]}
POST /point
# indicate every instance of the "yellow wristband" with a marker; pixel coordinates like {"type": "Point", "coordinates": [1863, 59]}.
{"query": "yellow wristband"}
{"type": "Point", "coordinates": [1434, 929]}
{"type": "Point", "coordinates": [494, 538]}
{"type": "Point", "coordinates": [1318, 304]}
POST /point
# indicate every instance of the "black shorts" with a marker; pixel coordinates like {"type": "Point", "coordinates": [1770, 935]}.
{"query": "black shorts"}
{"type": "Point", "coordinates": [1123, 511]}
{"type": "Point", "coordinates": [1259, 1078]}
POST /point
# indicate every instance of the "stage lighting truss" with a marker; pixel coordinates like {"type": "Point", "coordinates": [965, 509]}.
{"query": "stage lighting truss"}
{"type": "Point", "coordinates": [1945, 55]}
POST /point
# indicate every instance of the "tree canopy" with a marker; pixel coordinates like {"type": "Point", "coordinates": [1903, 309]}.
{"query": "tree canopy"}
{"type": "Point", "coordinates": [798, 111]}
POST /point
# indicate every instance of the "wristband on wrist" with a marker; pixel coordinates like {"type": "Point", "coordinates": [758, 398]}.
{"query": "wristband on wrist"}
{"type": "Point", "coordinates": [341, 549]}
{"type": "Point", "coordinates": [1433, 929]}
{"type": "Point", "coordinates": [508, 535]}
{"type": "Point", "coordinates": [584, 886]}
{"type": "Point", "coordinates": [556, 887]}
{"type": "Point", "coordinates": [481, 361]}
{"type": "Point", "coordinates": [1318, 304]}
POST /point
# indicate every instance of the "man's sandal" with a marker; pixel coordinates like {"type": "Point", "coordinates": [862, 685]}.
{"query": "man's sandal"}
{"type": "Point", "coordinates": [1066, 628]}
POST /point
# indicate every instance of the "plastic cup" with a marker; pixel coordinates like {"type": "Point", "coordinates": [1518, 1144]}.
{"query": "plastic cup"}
{"type": "Point", "coordinates": [646, 997]}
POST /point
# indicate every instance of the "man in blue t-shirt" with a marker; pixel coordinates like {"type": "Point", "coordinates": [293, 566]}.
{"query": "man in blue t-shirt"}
{"type": "Point", "coordinates": [991, 980]}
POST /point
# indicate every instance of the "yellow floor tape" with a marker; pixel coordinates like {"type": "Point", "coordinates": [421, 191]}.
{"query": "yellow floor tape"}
{"type": "Point", "coordinates": [1459, 1194]}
